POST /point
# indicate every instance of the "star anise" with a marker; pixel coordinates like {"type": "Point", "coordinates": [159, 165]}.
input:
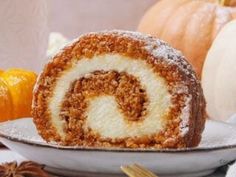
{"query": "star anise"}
{"type": "Point", "coordinates": [25, 169]}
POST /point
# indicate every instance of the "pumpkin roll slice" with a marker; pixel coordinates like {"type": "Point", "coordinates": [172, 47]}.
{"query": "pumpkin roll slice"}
{"type": "Point", "coordinates": [119, 89]}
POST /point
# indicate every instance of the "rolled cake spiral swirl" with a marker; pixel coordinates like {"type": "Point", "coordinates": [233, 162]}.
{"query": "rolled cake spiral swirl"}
{"type": "Point", "coordinates": [119, 89]}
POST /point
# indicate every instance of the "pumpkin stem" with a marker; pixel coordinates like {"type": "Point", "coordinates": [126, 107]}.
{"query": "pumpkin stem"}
{"type": "Point", "coordinates": [225, 2]}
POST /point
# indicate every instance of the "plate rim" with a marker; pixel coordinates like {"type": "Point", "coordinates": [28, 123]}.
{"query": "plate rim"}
{"type": "Point", "coordinates": [118, 150]}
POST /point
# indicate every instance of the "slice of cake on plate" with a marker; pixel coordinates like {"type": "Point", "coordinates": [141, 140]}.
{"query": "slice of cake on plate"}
{"type": "Point", "coordinates": [119, 89]}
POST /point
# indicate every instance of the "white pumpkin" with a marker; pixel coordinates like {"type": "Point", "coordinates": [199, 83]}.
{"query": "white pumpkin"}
{"type": "Point", "coordinates": [219, 74]}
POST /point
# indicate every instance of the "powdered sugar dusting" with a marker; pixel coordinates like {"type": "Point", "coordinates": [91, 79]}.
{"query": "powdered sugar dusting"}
{"type": "Point", "coordinates": [24, 130]}
{"type": "Point", "coordinates": [184, 125]}
{"type": "Point", "coordinates": [159, 49]}
{"type": "Point", "coordinates": [161, 52]}
{"type": "Point", "coordinates": [21, 130]}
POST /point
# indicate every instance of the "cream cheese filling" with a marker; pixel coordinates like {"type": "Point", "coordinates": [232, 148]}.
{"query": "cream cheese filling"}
{"type": "Point", "coordinates": [103, 115]}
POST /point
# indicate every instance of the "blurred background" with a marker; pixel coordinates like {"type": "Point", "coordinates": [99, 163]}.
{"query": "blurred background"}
{"type": "Point", "coordinates": [74, 17]}
{"type": "Point", "coordinates": [26, 25]}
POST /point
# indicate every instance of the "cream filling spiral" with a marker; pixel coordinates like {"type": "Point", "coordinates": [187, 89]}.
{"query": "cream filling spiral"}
{"type": "Point", "coordinates": [103, 116]}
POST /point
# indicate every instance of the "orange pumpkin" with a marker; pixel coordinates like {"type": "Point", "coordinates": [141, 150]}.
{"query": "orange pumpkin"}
{"type": "Point", "coordinates": [232, 3]}
{"type": "Point", "coordinates": [16, 87]}
{"type": "Point", "coordinates": [5, 102]}
{"type": "Point", "coordinates": [188, 25]}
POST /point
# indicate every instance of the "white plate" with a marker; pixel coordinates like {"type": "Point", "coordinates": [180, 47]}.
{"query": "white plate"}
{"type": "Point", "coordinates": [218, 147]}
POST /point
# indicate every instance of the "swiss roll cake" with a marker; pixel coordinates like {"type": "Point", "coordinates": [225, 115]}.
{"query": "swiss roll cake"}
{"type": "Point", "coordinates": [119, 89]}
